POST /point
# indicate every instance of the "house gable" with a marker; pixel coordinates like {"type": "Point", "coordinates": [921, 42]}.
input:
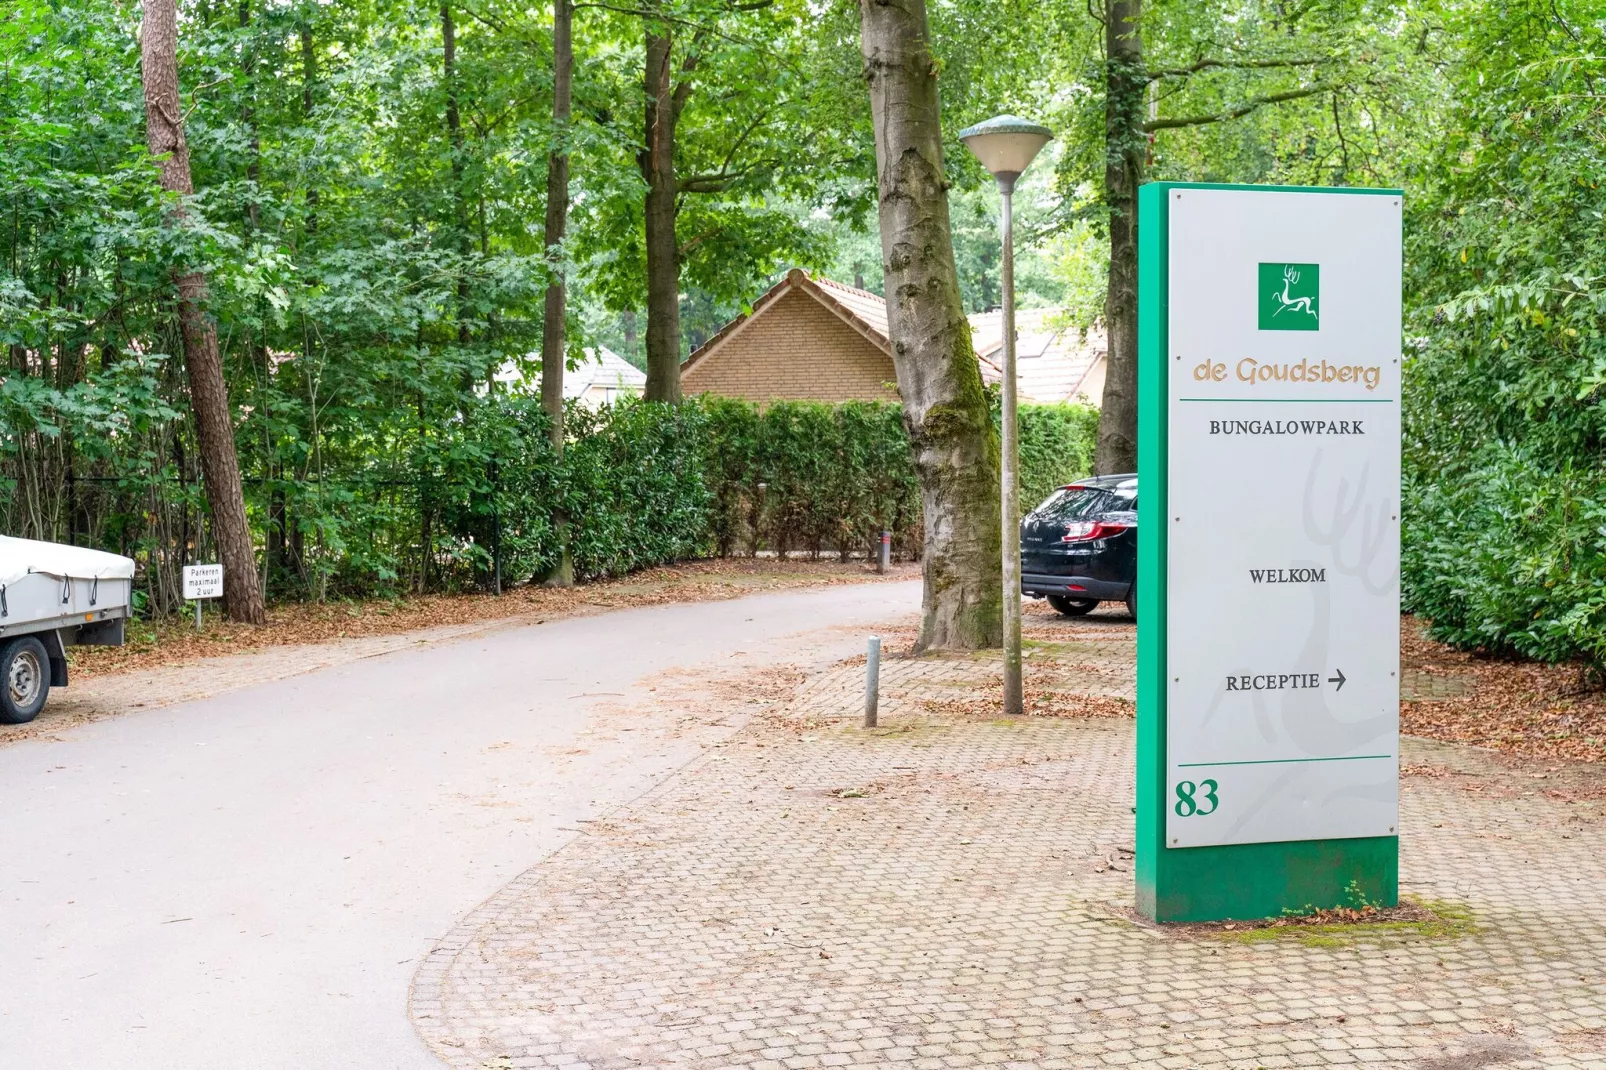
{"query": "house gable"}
{"type": "Point", "coordinates": [799, 344]}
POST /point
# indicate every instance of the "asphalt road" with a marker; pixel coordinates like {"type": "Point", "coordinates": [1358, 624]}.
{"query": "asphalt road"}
{"type": "Point", "coordinates": [250, 881]}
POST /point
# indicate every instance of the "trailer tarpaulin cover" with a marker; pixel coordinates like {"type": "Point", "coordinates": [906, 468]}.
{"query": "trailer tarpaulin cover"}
{"type": "Point", "coordinates": [19, 557]}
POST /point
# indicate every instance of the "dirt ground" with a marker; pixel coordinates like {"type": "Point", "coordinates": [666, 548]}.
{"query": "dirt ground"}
{"type": "Point", "coordinates": [1520, 707]}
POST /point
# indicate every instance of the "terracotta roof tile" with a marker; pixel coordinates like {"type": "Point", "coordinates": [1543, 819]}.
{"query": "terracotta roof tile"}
{"type": "Point", "coordinates": [1054, 359]}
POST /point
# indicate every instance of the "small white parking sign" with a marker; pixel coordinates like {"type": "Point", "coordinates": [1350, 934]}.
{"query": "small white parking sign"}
{"type": "Point", "coordinates": [203, 581]}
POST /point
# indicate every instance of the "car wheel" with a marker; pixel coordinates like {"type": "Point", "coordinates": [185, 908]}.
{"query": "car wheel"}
{"type": "Point", "coordinates": [1072, 607]}
{"type": "Point", "coordinates": [1132, 601]}
{"type": "Point", "coordinates": [24, 680]}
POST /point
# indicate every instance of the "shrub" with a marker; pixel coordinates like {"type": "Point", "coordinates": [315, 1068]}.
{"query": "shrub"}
{"type": "Point", "coordinates": [1056, 447]}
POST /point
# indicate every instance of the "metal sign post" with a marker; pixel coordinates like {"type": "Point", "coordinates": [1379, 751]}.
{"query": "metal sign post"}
{"type": "Point", "coordinates": [202, 582]}
{"type": "Point", "coordinates": [1268, 644]}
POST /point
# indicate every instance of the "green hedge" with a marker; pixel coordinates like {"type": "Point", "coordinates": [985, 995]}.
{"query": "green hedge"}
{"type": "Point", "coordinates": [1056, 446]}
{"type": "Point", "coordinates": [1504, 446]}
{"type": "Point", "coordinates": [643, 484]}
{"type": "Point", "coordinates": [1508, 554]}
{"type": "Point", "coordinates": [632, 484]}
{"type": "Point", "coordinates": [810, 476]}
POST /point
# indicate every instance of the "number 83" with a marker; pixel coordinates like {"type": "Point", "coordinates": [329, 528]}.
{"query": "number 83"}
{"type": "Point", "coordinates": [1188, 805]}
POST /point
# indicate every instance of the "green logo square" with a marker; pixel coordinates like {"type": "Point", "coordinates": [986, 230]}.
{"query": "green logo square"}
{"type": "Point", "coordinates": [1290, 296]}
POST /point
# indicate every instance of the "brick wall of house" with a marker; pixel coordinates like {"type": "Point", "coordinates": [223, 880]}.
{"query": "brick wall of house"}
{"type": "Point", "coordinates": [796, 350]}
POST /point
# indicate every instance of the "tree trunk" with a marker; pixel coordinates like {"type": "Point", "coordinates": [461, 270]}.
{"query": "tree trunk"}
{"type": "Point", "coordinates": [1125, 147]}
{"type": "Point", "coordinates": [657, 161]}
{"type": "Point", "coordinates": [557, 221]}
{"type": "Point", "coordinates": [309, 77]}
{"type": "Point", "coordinates": [209, 394]}
{"type": "Point", "coordinates": [944, 404]}
{"type": "Point", "coordinates": [454, 131]}
{"type": "Point", "coordinates": [248, 119]}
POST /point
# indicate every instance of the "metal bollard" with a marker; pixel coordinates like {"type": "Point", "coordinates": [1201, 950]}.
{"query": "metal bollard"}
{"type": "Point", "coordinates": [872, 681]}
{"type": "Point", "coordinates": [884, 553]}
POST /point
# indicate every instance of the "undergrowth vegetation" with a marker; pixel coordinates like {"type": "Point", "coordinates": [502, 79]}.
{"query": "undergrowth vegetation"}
{"type": "Point", "coordinates": [1505, 432]}
{"type": "Point", "coordinates": [461, 502]}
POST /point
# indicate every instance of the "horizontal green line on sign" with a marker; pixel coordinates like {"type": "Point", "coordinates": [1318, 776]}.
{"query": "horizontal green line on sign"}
{"type": "Point", "coordinates": [1298, 401]}
{"type": "Point", "coordinates": [1283, 761]}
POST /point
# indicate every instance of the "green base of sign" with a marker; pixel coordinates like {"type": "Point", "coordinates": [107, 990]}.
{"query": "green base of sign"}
{"type": "Point", "coordinates": [1265, 880]}
{"type": "Point", "coordinates": [1240, 881]}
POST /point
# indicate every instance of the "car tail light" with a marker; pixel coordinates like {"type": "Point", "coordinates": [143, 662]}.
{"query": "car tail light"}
{"type": "Point", "coordinates": [1086, 530]}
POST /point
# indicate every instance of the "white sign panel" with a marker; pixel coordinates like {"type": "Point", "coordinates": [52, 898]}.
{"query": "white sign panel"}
{"type": "Point", "coordinates": [1284, 489]}
{"type": "Point", "coordinates": [203, 581]}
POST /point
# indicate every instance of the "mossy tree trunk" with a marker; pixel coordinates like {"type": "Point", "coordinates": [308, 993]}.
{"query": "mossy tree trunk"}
{"type": "Point", "coordinates": [553, 347]}
{"type": "Point", "coordinates": [1126, 145]}
{"type": "Point", "coordinates": [944, 404]}
{"type": "Point", "coordinates": [665, 98]}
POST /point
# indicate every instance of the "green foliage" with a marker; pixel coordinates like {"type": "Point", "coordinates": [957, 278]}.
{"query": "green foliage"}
{"type": "Point", "coordinates": [371, 274]}
{"type": "Point", "coordinates": [1056, 447]}
{"type": "Point", "coordinates": [811, 476]}
{"type": "Point", "coordinates": [371, 271]}
{"type": "Point", "coordinates": [637, 494]}
{"type": "Point", "coordinates": [1505, 430]}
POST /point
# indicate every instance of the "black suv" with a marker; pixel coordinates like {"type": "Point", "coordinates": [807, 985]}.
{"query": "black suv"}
{"type": "Point", "coordinates": [1080, 547]}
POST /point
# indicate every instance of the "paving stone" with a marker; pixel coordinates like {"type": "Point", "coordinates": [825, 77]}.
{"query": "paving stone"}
{"type": "Point", "coordinates": [955, 890]}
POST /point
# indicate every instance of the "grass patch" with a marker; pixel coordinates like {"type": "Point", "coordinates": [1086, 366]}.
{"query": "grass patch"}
{"type": "Point", "coordinates": [1412, 920]}
{"type": "Point", "coordinates": [1049, 646]}
{"type": "Point", "coordinates": [854, 732]}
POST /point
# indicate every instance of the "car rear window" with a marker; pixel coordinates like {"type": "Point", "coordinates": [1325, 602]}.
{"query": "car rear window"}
{"type": "Point", "coordinates": [1080, 503]}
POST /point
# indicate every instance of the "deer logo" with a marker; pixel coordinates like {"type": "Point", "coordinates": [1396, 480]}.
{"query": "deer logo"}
{"type": "Point", "coordinates": [1289, 301]}
{"type": "Point", "coordinates": [1288, 297]}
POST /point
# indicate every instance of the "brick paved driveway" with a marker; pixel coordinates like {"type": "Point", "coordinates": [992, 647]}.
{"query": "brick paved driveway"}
{"type": "Point", "coordinates": [953, 890]}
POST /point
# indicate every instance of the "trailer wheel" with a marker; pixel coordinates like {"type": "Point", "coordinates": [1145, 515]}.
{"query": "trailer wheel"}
{"type": "Point", "coordinates": [24, 679]}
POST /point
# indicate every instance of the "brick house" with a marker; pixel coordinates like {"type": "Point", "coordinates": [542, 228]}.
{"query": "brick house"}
{"type": "Point", "coordinates": [812, 339]}
{"type": "Point", "coordinates": [805, 340]}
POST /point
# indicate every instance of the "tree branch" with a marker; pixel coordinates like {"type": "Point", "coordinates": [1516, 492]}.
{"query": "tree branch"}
{"type": "Point", "coordinates": [1240, 110]}
{"type": "Point", "coordinates": [688, 65]}
{"type": "Point", "coordinates": [687, 246]}
{"type": "Point", "coordinates": [195, 93]}
{"type": "Point", "coordinates": [676, 20]}
{"type": "Point", "coordinates": [1235, 64]}
{"type": "Point", "coordinates": [487, 20]}
{"type": "Point", "coordinates": [711, 183]}
{"type": "Point", "coordinates": [1338, 128]}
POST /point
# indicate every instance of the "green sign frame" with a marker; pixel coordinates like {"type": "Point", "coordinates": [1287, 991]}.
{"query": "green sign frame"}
{"type": "Point", "coordinates": [1238, 881]}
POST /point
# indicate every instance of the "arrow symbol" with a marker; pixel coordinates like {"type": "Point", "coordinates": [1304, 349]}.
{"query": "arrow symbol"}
{"type": "Point", "coordinates": [1339, 679]}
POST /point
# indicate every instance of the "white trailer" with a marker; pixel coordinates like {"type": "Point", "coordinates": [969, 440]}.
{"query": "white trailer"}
{"type": "Point", "coordinates": [52, 597]}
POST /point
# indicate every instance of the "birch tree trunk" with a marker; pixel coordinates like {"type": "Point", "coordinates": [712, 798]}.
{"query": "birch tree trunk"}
{"type": "Point", "coordinates": [557, 221]}
{"type": "Point", "coordinates": [1126, 144]}
{"type": "Point", "coordinates": [663, 253]}
{"type": "Point", "coordinates": [944, 405]}
{"type": "Point", "coordinates": [209, 394]}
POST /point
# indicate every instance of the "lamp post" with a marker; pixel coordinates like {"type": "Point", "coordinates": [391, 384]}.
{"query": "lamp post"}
{"type": "Point", "coordinates": [1006, 146]}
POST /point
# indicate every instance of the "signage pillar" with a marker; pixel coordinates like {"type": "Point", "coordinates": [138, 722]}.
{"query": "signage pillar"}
{"type": "Point", "coordinates": [1268, 569]}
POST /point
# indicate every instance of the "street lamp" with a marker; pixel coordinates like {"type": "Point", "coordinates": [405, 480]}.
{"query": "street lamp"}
{"type": "Point", "coordinates": [1006, 146]}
